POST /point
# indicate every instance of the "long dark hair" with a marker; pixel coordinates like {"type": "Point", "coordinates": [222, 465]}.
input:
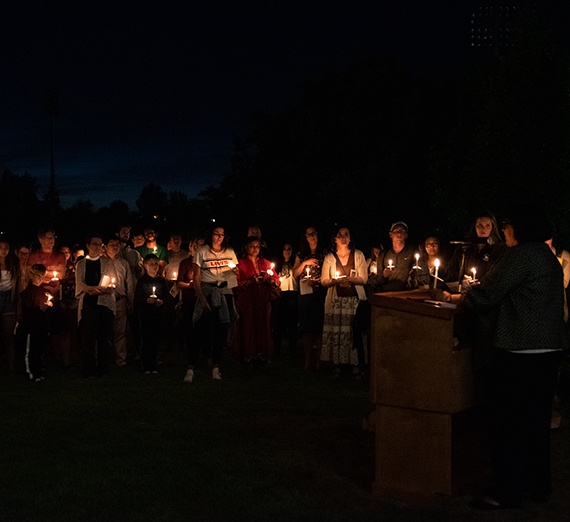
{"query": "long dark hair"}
{"type": "Point", "coordinates": [305, 249]}
{"type": "Point", "coordinates": [12, 261]}
{"type": "Point", "coordinates": [281, 260]}
{"type": "Point", "coordinates": [333, 242]}
{"type": "Point", "coordinates": [209, 241]}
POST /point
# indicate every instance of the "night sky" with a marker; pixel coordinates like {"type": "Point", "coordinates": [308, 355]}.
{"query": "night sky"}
{"type": "Point", "coordinates": [152, 92]}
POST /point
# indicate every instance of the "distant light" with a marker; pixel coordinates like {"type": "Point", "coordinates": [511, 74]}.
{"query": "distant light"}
{"type": "Point", "coordinates": [213, 220]}
{"type": "Point", "coordinates": [155, 217]}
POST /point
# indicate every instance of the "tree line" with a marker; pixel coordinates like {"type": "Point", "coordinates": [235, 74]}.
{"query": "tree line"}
{"type": "Point", "coordinates": [370, 145]}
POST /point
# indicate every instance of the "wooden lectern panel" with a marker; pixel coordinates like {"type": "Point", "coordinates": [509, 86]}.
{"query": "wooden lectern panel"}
{"type": "Point", "coordinates": [422, 385]}
{"type": "Point", "coordinates": [415, 362]}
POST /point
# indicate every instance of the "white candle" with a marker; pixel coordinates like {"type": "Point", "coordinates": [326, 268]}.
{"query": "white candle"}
{"type": "Point", "coordinates": [374, 270]}
{"type": "Point", "coordinates": [270, 271]}
{"type": "Point", "coordinates": [113, 285]}
{"type": "Point", "coordinates": [154, 250]}
{"type": "Point", "coordinates": [390, 264]}
{"type": "Point", "coordinates": [417, 261]}
{"type": "Point", "coordinates": [174, 276]}
{"type": "Point", "coordinates": [153, 291]}
{"type": "Point", "coordinates": [337, 275]}
{"type": "Point", "coordinates": [308, 268]}
{"type": "Point", "coordinates": [436, 264]}
{"type": "Point", "coordinates": [49, 297]}
{"type": "Point", "coordinates": [55, 278]}
{"type": "Point", "coordinates": [231, 264]}
{"type": "Point", "coordinates": [474, 270]}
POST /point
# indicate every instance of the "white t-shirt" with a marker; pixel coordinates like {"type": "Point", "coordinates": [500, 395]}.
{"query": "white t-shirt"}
{"type": "Point", "coordinates": [215, 265]}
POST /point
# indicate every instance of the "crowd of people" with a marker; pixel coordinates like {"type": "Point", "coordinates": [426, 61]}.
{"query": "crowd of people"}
{"type": "Point", "coordinates": [121, 298]}
{"type": "Point", "coordinates": [118, 300]}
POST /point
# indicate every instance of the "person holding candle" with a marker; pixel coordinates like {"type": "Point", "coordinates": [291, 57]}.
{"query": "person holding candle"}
{"type": "Point", "coordinates": [53, 260]}
{"type": "Point", "coordinates": [372, 261]}
{"type": "Point", "coordinates": [422, 275]}
{"type": "Point", "coordinates": [152, 247]}
{"type": "Point", "coordinates": [344, 275]}
{"type": "Point", "coordinates": [9, 277]}
{"type": "Point", "coordinates": [213, 282]}
{"type": "Point", "coordinates": [55, 264]}
{"type": "Point", "coordinates": [34, 327]}
{"type": "Point", "coordinates": [175, 255]}
{"type": "Point", "coordinates": [482, 250]}
{"type": "Point", "coordinates": [97, 306]}
{"type": "Point", "coordinates": [525, 293]}
{"type": "Point", "coordinates": [284, 309]}
{"type": "Point", "coordinates": [312, 295]}
{"type": "Point", "coordinates": [256, 288]}
{"type": "Point", "coordinates": [394, 264]}
{"type": "Point", "coordinates": [174, 333]}
{"type": "Point", "coordinates": [150, 294]}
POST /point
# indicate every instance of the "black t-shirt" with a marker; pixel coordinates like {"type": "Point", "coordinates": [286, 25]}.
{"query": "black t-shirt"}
{"type": "Point", "coordinates": [92, 278]}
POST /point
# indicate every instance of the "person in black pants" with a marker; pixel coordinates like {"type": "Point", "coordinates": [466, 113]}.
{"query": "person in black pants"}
{"type": "Point", "coordinates": [150, 294]}
{"type": "Point", "coordinates": [35, 302]}
{"type": "Point", "coordinates": [94, 287]}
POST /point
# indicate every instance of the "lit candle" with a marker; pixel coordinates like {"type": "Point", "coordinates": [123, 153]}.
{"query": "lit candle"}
{"type": "Point", "coordinates": [153, 292]}
{"type": "Point", "coordinates": [474, 270]}
{"type": "Point", "coordinates": [436, 264]}
{"type": "Point", "coordinates": [49, 297]}
{"type": "Point", "coordinates": [390, 264]}
{"type": "Point", "coordinates": [113, 285]}
{"type": "Point", "coordinates": [374, 270]}
{"type": "Point", "coordinates": [337, 275]}
{"type": "Point", "coordinates": [231, 264]}
{"type": "Point", "coordinates": [270, 271]}
{"type": "Point", "coordinates": [174, 276]}
{"type": "Point", "coordinates": [55, 278]}
{"type": "Point", "coordinates": [154, 250]}
{"type": "Point", "coordinates": [417, 262]}
{"type": "Point", "coordinates": [308, 268]}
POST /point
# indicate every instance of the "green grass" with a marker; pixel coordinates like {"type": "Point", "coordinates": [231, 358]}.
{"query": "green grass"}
{"type": "Point", "coordinates": [275, 443]}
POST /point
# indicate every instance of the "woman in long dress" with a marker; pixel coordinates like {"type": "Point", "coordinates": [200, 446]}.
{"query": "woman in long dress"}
{"type": "Point", "coordinates": [344, 274]}
{"type": "Point", "coordinates": [257, 284]}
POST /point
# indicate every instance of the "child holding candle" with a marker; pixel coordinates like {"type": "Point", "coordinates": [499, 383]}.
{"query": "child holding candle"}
{"type": "Point", "coordinates": [34, 321]}
{"type": "Point", "coordinates": [150, 294]}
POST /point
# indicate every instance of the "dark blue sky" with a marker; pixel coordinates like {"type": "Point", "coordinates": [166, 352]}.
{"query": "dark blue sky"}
{"type": "Point", "coordinates": [152, 92]}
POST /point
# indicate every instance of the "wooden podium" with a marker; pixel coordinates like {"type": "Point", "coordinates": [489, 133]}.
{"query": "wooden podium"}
{"type": "Point", "coordinates": [428, 435]}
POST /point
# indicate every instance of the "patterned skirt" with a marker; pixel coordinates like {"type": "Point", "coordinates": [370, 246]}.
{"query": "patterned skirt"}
{"type": "Point", "coordinates": [338, 345]}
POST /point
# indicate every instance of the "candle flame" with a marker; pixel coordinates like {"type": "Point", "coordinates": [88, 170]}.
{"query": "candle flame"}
{"type": "Point", "coordinates": [436, 263]}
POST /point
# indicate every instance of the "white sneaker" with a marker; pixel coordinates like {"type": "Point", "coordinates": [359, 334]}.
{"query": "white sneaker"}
{"type": "Point", "coordinates": [216, 374]}
{"type": "Point", "coordinates": [189, 377]}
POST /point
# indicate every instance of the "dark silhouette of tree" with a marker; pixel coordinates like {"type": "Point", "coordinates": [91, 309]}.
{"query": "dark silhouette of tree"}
{"type": "Point", "coordinates": [21, 209]}
{"type": "Point", "coordinates": [152, 201]}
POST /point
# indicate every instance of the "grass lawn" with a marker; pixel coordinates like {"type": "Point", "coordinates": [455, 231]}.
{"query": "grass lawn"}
{"type": "Point", "coordinates": [275, 443]}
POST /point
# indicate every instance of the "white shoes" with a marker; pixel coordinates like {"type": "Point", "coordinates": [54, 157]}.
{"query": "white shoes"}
{"type": "Point", "coordinates": [189, 377]}
{"type": "Point", "coordinates": [216, 374]}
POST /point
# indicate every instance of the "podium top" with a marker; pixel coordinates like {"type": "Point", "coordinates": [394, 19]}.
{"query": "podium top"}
{"type": "Point", "coordinates": [418, 302]}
